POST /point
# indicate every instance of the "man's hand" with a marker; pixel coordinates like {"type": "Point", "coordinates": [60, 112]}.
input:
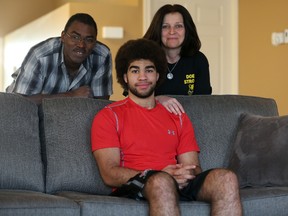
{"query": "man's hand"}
{"type": "Point", "coordinates": [83, 91]}
{"type": "Point", "coordinates": [171, 104]}
{"type": "Point", "coordinates": [181, 173]}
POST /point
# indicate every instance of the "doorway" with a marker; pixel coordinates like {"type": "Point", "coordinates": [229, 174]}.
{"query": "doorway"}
{"type": "Point", "coordinates": [217, 26]}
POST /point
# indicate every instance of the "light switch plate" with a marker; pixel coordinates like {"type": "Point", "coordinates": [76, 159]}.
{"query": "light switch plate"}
{"type": "Point", "coordinates": [286, 36]}
{"type": "Point", "coordinates": [277, 38]}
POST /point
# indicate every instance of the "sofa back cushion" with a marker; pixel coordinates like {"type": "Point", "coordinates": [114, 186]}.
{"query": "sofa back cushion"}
{"type": "Point", "coordinates": [216, 118]}
{"type": "Point", "coordinates": [21, 166]}
{"type": "Point", "coordinates": [66, 124]}
{"type": "Point", "coordinates": [70, 165]}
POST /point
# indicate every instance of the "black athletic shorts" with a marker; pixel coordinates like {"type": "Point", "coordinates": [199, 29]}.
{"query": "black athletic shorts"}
{"type": "Point", "coordinates": [133, 188]}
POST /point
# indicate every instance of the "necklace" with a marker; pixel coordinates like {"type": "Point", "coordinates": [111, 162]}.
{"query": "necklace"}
{"type": "Point", "coordinates": [170, 74]}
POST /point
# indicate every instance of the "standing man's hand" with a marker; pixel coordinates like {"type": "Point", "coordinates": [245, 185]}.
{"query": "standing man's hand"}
{"type": "Point", "coordinates": [83, 91]}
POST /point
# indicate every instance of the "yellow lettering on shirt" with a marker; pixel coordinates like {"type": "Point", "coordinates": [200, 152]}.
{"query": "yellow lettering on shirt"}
{"type": "Point", "coordinates": [191, 89]}
{"type": "Point", "coordinates": [189, 81]}
{"type": "Point", "coordinates": [190, 76]}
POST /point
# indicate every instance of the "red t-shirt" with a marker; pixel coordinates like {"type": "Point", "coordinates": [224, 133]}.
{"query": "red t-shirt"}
{"type": "Point", "coordinates": [147, 139]}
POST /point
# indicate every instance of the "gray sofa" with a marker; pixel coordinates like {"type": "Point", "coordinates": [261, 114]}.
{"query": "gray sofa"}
{"type": "Point", "coordinates": [47, 168]}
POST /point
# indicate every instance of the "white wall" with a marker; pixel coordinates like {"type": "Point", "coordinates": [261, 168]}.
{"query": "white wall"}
{"type": "Point", "coordinates": [1, 64]}
{"type": "Point", "coordinates": [17, 44]}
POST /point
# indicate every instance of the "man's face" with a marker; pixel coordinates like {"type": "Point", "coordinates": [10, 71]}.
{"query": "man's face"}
{"type": "Point", "coordinates": [78, 42]}
{"type": "Point", "coordinates": [141, 78]}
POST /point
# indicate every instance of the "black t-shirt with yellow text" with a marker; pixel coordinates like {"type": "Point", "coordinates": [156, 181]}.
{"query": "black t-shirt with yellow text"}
{"type": "Point", "coordinates": [190, 77]}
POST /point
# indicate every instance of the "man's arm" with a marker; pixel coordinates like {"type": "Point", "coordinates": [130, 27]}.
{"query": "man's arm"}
{"type": "Point", "coordinates": [102, 97]}
{"type": "Point", "coordinates": [190, 158]}
{"type": "Point", "coordinates": [83, 91]}
{"type": "Point", "coordinates": [108, 160]}
{"type": "Point", "coordinates": [102, 82]}
{"type": "Point", "coordinates": [186, 169]}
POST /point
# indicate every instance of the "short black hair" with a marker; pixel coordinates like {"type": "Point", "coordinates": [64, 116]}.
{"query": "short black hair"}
{"type": "Point", "coordinates": [83, 18]}
{"type": "Point", "coordinates": [138, 49]}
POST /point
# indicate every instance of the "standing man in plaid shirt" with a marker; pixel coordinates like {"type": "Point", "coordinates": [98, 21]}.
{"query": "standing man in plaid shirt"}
{"type": "Point", "coordinates": [73, 65]}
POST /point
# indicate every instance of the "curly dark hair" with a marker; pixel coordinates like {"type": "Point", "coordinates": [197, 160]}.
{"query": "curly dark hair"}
{"type": "Point", "coordinates": [83, 18]}
{"type": "Point", "coordinates": [138, 49]}
{"type": "Point", "coordinates": [191, 43]}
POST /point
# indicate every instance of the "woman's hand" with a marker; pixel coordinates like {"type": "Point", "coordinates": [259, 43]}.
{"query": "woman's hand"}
{"type": "Point", "coordinates": [171, 104]}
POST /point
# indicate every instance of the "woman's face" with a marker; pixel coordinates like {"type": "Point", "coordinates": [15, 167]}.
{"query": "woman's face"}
{"type": "Point", "coordinates": [173, 31]}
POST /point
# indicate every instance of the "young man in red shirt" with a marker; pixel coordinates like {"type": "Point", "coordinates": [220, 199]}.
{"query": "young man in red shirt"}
{"type": "Point", "coordinates": [145, 152]}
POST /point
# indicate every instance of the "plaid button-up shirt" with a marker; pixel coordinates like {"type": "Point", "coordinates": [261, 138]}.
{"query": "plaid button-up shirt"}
{"type": "Point", "coordinates": [43, 71]}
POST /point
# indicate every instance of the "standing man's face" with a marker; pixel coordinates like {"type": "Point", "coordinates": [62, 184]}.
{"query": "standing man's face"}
{"type": "Point", "coordinates": [141, 78]}
{"type": "Point", "coordinates": [78, 42]}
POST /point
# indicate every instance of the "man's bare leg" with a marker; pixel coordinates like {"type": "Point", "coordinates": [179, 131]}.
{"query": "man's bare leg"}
{"type": "Point", "coordinates": [161, 192]}
{"type": "Point", "coordinates": [221, 189]}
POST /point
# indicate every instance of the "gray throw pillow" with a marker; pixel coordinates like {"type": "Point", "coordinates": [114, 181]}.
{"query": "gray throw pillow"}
{"type": "Point", "coordinates": [259, 155]}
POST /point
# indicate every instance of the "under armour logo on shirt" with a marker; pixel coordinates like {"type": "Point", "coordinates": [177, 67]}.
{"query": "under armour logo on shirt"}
{"type": "Point", "coordinates": [171, 132]}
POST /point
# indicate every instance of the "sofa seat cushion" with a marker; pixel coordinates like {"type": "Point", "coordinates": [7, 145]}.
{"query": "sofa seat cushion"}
{"type": "Point", "coordinates": [21, 164]}
{"type": "Point", "coordinates": [110, 206]}
{"type": "Point", "coordinates": [27, 203]}
{"type": "Point", "coordinates": [256, 202]}
{"type": "Point", "coordinates": [259, 155]}
{"type": "Point", "coordinates": [270, 201]}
